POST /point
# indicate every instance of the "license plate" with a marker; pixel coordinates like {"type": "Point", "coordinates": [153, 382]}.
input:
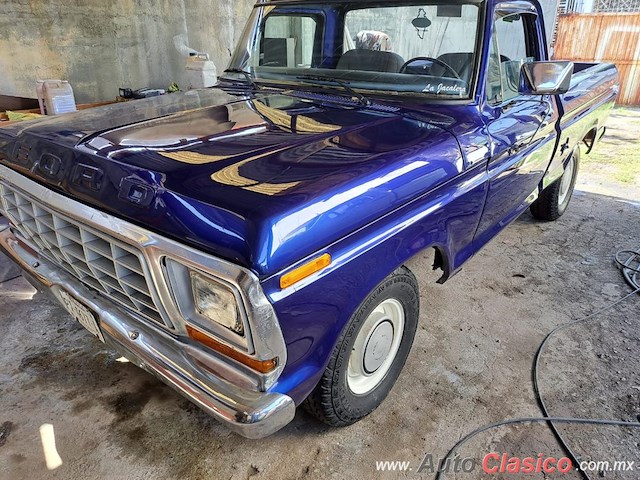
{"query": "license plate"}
{"type": "Point", "coordinates": [81, 313]}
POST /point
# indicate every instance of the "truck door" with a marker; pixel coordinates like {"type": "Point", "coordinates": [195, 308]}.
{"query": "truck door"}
{"type": "Point", "coordinates": [521, 128]}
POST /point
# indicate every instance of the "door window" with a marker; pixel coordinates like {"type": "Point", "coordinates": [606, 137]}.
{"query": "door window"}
{"type": "Point", "coordinates": [513, 43]}
{"type": "Point", "coordinates": [288, 41]}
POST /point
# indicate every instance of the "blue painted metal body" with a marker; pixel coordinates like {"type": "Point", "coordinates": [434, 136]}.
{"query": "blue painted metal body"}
{"type": "Point", "coordinates": [272, 178]}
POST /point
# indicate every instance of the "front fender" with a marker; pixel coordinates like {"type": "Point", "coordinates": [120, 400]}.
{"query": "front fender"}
{"type": "Point", "coordinates": [313, 313]}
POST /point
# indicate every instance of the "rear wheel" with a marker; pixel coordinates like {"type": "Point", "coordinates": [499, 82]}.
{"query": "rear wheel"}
{"type": "Point", "coordinates": [370, 354]}
{"type": "Point", "coordinates": [554, 200]}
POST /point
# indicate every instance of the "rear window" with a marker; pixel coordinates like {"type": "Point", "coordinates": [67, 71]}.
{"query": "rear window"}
{"type": "Point", "coordinates": [288, 41]}
{"type": "Point", "coordinates": [451, 29]}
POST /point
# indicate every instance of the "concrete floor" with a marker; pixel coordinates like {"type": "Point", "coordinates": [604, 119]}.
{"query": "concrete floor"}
{"type": "Point", "coordinates": [470, 365]}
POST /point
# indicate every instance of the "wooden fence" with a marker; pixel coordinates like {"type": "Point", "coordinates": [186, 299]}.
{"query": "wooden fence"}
{"type": "Point", "coordinates": [604, 37]}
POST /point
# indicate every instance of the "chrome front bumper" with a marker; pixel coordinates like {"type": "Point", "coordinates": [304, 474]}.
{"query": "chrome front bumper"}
{"type": "Point", "coordinates": [252, 414]}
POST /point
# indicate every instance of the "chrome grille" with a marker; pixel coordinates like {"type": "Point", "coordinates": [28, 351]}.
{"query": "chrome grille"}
{"type": "Point", "coordinates": [113, 268]}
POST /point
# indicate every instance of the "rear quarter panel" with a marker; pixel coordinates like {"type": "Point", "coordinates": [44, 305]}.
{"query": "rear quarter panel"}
{"type": "Point", "coordinates": [585, 107]}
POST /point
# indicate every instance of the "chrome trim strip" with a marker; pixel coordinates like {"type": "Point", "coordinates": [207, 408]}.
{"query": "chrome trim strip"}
{"type": "Point", "coordinates": [266, 337]}
{"type": "Point", "coordinates": [247, 412]}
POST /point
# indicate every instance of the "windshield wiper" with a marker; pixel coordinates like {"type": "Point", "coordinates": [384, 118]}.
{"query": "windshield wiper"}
{"type": "Point", "coordinates": [318, 78]}
{"type": "Point", "coordinates": [249, 76]}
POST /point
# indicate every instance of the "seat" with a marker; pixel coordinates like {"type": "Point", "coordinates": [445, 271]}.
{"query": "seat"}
{"type": "Point", "coordinates": [371, 61]}
{"type": "Point", "coordinates": [371, 54]}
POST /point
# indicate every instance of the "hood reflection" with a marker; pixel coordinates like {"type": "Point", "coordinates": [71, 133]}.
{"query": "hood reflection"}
{"type": "Point", "coordinates": [268, 145]}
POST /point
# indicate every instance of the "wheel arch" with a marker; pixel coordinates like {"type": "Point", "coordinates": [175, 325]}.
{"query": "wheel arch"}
{"type": "Point", "coordinates": [590, 139]}
{"type": "Point", "coordinates": [439, 260]}
{"type": "Point", "coordinates": [313, 313]}
{"type": "Point", "coordinates": [328, 303]}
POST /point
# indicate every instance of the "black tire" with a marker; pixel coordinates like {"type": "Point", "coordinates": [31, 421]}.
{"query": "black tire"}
{"type": "Point", "coordinates": [549, 205]}
{"type": "Point", "coordinates": [332, 401]}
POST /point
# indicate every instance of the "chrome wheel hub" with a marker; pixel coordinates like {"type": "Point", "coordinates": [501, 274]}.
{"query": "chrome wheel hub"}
{"type": "Point", "coordinates": [378, 347]}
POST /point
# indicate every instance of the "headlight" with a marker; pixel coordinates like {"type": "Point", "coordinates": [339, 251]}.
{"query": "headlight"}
{"type": "Point", "coordinates": [208, 303]}
{"type": "Point", "coordinates": [216, 302]}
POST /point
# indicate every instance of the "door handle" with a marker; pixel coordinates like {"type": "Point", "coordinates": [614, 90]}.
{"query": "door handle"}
{"type": "Point", "coordinates": [515, 148]}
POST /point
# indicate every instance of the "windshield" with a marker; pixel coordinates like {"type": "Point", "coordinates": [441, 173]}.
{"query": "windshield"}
{"type": "Point", "coordinates": [416, 48]}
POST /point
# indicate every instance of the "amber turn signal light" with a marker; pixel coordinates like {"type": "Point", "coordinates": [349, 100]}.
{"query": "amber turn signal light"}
{"type": "Point", "coordinates": [305, 271]}
{"type": "Point", "coordinates": [262, 366]}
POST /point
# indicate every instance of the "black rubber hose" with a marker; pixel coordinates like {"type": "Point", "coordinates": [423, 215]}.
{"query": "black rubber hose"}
{"type": "Point", "coordinates": [536, 376]}
{"type": "Point", "coordinates": [630, 274]}
{"type": "Point", "coordinates": [581, 421]}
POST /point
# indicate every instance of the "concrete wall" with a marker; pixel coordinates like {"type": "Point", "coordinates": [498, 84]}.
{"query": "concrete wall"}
{"type": "Point", "coordinates": [101, 45]}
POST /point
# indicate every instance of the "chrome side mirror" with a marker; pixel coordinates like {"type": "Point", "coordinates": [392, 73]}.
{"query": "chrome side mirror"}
{"type": "Point", "coordinates": [545, 78]}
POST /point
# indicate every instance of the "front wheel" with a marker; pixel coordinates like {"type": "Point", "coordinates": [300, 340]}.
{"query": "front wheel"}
{"type": "Point", "coordinates": [554, 200]}
{"type": "Point", "coordinates": [370, 354]}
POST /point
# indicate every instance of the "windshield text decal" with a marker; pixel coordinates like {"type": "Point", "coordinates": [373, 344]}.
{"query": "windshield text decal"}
{"type": "Point", "coordinates": [443, 88]}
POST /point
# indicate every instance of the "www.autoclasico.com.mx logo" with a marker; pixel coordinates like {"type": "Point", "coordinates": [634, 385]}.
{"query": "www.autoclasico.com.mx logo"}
{"type": "Point", "coordinates": [496, 463]}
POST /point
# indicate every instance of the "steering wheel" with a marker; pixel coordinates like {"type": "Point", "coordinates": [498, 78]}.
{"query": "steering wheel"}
{"type": "Point", "coordinates": [444, 65]}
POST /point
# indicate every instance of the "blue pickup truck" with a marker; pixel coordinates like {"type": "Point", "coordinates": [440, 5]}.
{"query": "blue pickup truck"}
{"type": "Point", "coordinates": [247, 243]}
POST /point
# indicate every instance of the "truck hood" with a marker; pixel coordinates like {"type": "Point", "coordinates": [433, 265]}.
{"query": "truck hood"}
{"type": "Point", "coordinates": [261, 181]}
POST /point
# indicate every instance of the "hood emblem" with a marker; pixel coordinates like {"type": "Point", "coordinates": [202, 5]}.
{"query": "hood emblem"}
{"type": "Point", "coordinates": [49, 165]}
{"type": "Point", "coordinates": [87, 177]}
{"type": "Point", "coordinates": [133, 190]}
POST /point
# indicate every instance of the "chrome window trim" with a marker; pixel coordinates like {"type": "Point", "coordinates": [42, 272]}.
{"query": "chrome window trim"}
{"type": "Point", "coordinates": [267, 339]}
